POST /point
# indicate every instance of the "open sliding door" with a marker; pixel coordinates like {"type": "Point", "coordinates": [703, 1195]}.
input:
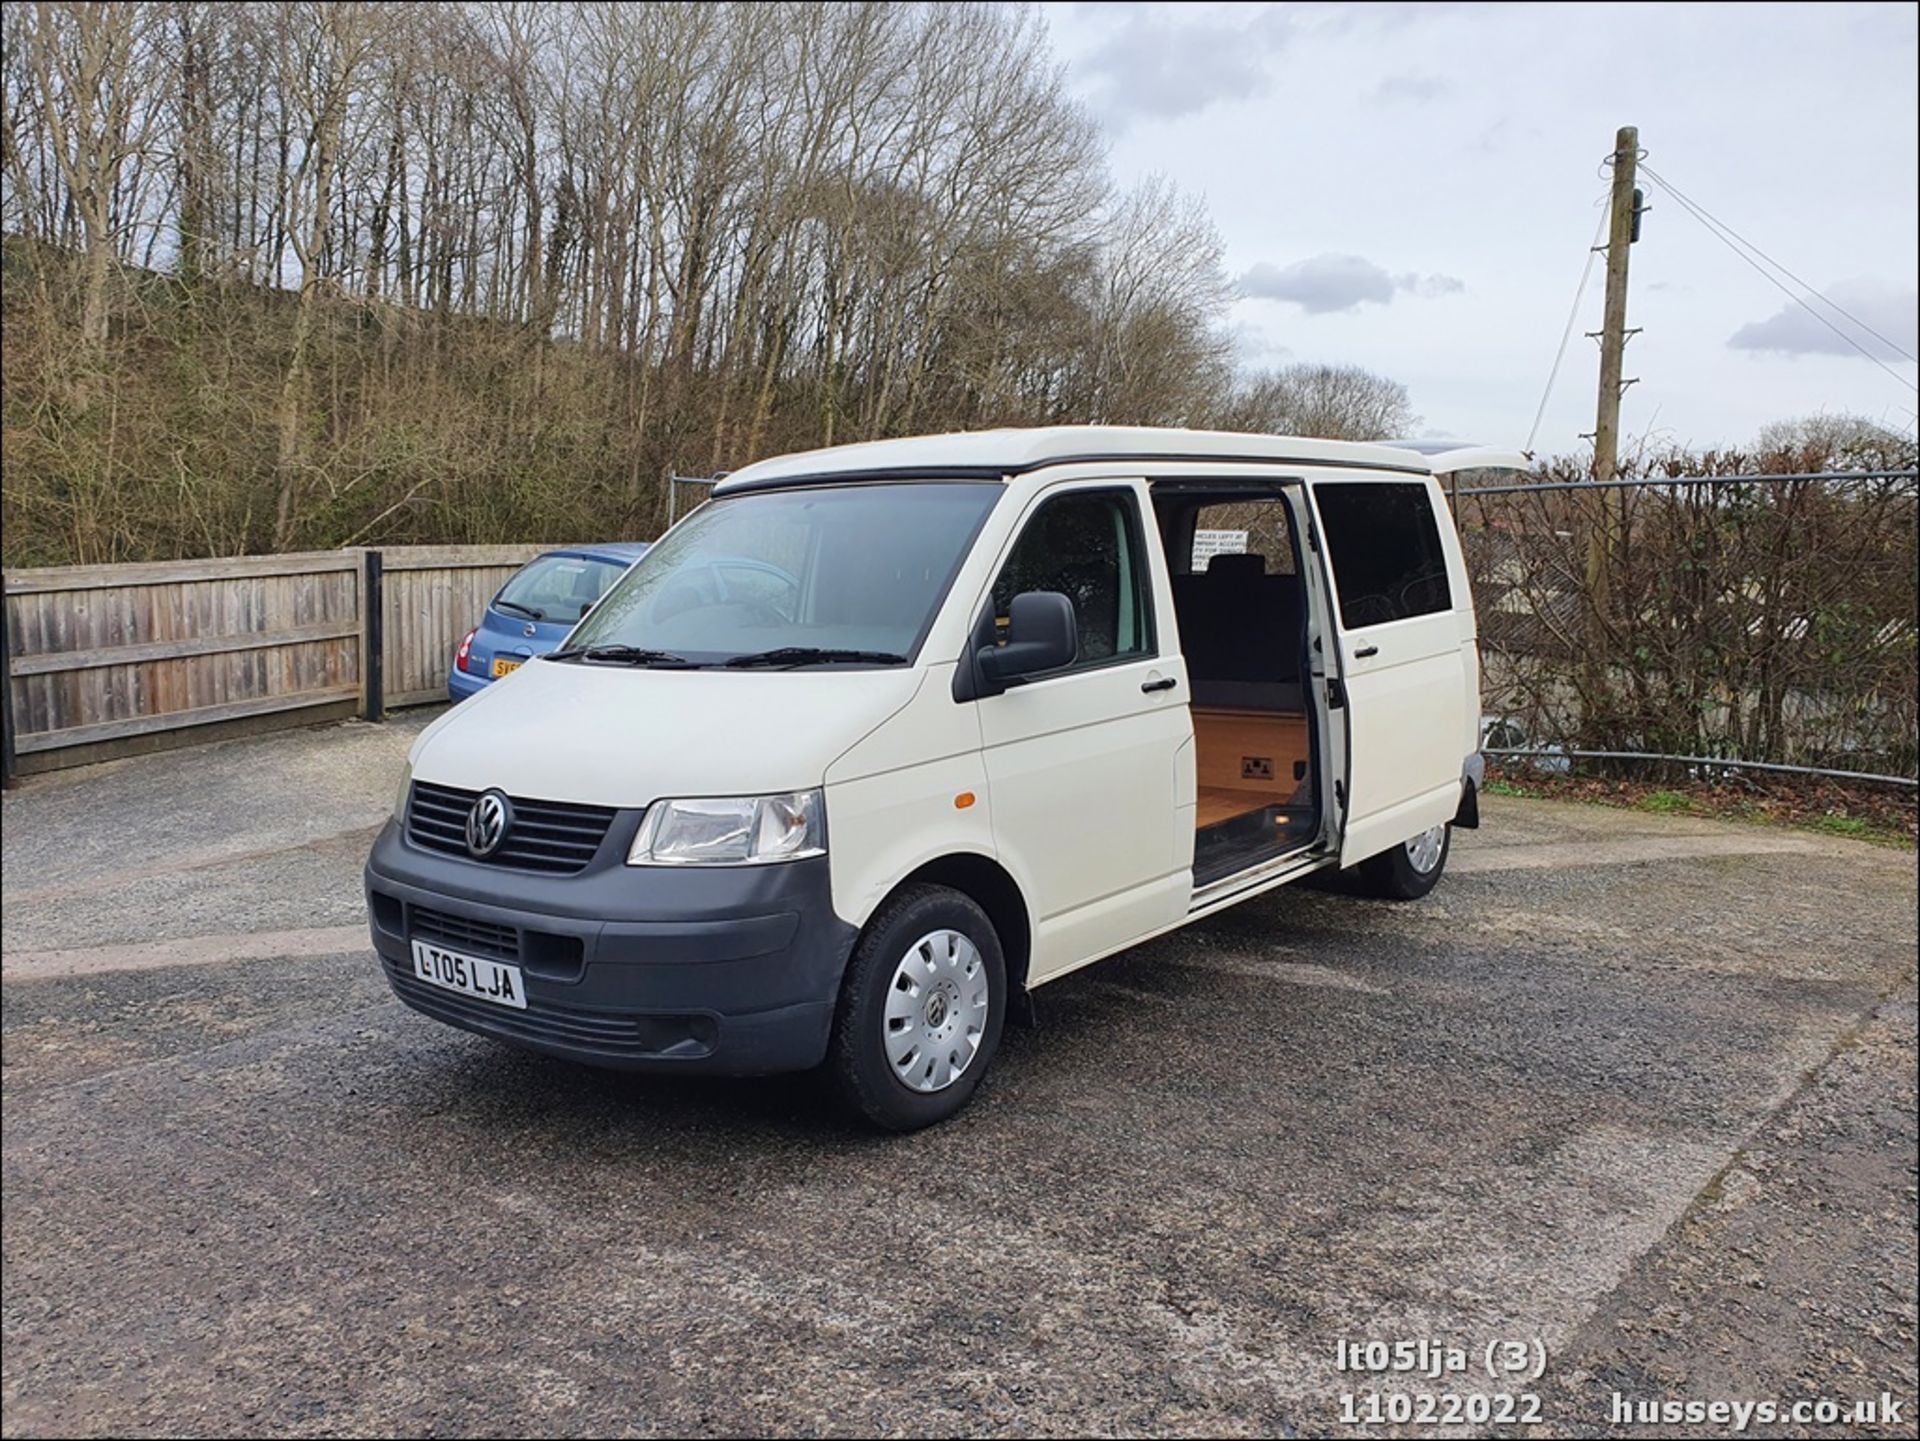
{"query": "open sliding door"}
{"type": "Point", "coordinates": [1398, 657]}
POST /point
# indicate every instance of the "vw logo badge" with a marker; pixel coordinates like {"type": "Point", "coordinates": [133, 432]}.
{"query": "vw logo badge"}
{"type": "Point", "coordinates": [530, 630]}
{"type": "Point", "coordinates": [487, 824]}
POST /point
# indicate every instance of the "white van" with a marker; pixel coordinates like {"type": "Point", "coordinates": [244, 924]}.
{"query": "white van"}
{"type": "Point", "coordinates": [883, 737]}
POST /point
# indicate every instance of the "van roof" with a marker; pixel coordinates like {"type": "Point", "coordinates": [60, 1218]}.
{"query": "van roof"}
{"type": "Point", "coordinates": [996, 454]}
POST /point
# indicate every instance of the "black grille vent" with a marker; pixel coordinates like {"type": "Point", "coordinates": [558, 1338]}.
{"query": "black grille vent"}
{"type": "Point", "coordinates": [545, 835]}
{"type": "Point", "coordinates": [478, 938]}
{"type": "Point", "coordinates": [615, 1037]}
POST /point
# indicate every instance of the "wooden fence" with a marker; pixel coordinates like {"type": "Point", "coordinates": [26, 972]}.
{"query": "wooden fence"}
{"type": "Point", "coordinates": [106, 660]}
{"type": "Point", "coordinates": [434, 596]}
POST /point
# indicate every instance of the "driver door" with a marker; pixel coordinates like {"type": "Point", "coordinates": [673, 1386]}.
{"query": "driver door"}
{"type": "Point", "coordinates": [1081, 762]}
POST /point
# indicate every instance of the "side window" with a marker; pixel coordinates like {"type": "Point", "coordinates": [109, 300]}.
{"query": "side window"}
{"type": "Point", "coordinates": [1385, 549]}
{"type": "Point", "coordinates": [1086, 545]}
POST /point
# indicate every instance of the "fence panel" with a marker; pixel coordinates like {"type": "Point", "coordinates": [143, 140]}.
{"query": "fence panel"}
{"type": "Point", "coordinates": [102, 660]}
{"type": "Point", "coordinates": [108, 653]}
{"type": "Point", "coordinates": [435, 594]}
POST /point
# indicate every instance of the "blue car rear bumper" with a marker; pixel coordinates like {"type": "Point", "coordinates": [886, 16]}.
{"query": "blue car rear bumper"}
{"type": "Point", "coordinates": [460, 685]}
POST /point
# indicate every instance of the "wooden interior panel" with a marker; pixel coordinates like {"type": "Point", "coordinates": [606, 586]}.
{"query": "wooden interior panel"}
{"type": "Point", "coordinates": [1245, 761]}
{"type": "Point", "coordinates": [1230, 745]}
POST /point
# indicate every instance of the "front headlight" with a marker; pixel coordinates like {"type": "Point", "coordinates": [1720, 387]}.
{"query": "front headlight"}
{"type": "Point", "coordinates": [734, 831]}
{"type": "Point", "coordinates": [400, 796]}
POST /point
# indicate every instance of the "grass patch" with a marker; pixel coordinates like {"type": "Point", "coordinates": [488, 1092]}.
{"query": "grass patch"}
{"type": "Point", "coordinates": [1508, 788]}
{"type": "Point", "coordinates": [1876, 815]}
{"type": "Point", "coordinates": [1844, 826]}
{"type": "Point", "coordinates": [1665, 802]}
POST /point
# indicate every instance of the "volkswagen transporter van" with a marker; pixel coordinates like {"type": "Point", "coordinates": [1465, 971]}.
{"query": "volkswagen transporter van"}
{"type": "Point", "coordinates": [992, 707]}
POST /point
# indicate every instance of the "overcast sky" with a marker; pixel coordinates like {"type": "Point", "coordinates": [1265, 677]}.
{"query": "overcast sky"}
{"type": "Point", "coordinates": [1414, 187]}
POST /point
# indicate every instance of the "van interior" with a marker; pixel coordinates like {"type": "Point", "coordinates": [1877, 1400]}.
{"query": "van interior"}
{"type": "Point", "coordinates": [1241, 606]}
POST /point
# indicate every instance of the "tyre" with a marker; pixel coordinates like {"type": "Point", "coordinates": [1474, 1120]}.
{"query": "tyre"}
{"type": "Point", "coordinates": [921, 1008]}
{"type": "Point", "coordinates": [1407, 872]}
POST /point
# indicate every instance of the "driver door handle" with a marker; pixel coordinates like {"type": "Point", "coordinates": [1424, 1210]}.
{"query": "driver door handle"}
{"type": "Point", "coordinates": [1365, 651]}
{"type": "Point", "coordinates": [1165, 683]}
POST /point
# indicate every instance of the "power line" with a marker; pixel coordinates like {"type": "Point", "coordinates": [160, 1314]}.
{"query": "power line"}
{"type": "Point", "coordinates": [1835, 305]}
{"type": "Point", "coordinates": [1724, 238]}
{"type": "Point", "coordinates": [1573, 314]}
{"type": "Point", "coordinates": [1714, 230]}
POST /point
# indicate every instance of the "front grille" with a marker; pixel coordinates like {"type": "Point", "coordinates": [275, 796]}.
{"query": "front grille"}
{"type": "Point", "coordinates": [549, 836]}
{"type": "Point", "coordinates": [458, 933]}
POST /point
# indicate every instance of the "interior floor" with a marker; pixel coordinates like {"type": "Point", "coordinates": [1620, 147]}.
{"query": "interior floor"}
{"type": "Point", "coordinates": [1248, 839]}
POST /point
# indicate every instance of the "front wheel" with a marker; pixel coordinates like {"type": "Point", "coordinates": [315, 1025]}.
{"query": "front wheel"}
{"type": "Point", "coordinates": [920, 1010]}
{"type": "Point", "coordinates": [1407, 872]}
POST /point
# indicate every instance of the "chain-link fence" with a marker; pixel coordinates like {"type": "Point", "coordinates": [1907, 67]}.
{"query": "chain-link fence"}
{"type": "Point", "coordinates": [1665, 621]}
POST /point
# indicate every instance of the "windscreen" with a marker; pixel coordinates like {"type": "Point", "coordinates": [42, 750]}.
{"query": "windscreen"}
{"type": "Point", "coordinates": [557, 587]}
{"type": "Point", "coordinates": [833, 568]}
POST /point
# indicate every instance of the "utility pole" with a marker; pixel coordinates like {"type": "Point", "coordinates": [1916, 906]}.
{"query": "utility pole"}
{"type": "Point", "coordinates": [1602, 544]}
{"type": "Point", "coordinates": [1613, 331]}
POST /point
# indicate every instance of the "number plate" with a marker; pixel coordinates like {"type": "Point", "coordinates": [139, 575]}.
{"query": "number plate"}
{"type": "Point", "coordinates": [469, 975]}
{"type": "Point", "coordinates": [502, 667]}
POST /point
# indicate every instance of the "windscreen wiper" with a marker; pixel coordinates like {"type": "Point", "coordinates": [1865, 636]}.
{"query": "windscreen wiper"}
{"type": "Point", "coordinates": [528, 611]}
{"type": "Point", "coordinates": [619, 655]}
{"type": "Point", "coordinates": [797, 655]}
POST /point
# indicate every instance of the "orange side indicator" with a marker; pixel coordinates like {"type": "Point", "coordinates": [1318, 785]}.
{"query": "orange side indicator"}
{"type": "Point", "coordinates": [963, 800]}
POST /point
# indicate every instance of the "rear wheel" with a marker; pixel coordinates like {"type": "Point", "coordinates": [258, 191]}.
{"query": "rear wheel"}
{"type": "Point", "coordinates": [1407, 872]}
{"type": "Point", "coordinates": [920, 1011]}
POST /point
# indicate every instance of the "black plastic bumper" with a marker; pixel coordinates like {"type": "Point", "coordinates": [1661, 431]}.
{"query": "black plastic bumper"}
{"type": "Point", "coordinates": [723, 970]}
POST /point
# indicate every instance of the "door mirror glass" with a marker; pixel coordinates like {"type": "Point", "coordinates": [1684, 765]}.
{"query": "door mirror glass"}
{"type": "Point", "coordinates": [1041, 636]}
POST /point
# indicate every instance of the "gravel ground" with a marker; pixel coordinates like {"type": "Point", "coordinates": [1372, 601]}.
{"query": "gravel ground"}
{"type": "Point", "coordinates": [1638, 1088]}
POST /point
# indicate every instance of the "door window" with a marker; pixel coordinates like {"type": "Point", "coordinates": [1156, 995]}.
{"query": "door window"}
{"type": "Point", "coordinates": [1086, 545]}
{"type": "Point", "coordinates": [1385, 548]}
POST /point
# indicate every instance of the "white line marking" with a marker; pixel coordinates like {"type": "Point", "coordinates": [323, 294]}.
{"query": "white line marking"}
{"type": "Point", "coordinates": [187, 951]}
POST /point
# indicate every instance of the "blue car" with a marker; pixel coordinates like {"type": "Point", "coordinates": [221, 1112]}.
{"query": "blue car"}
{"type": "Point", "coordinates": [534, 611]}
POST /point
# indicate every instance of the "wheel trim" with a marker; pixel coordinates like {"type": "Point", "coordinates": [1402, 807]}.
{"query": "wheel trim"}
{"type": "Point", "coordinates": [1423, 851]}
{"type": "Point", "coordinates": [938, 1005]}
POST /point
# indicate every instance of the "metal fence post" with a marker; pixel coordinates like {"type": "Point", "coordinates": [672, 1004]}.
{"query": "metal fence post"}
{"type": "Point", "coordinates": [6, 688]}
{"type": "Point", "coordinates": [373, 705]}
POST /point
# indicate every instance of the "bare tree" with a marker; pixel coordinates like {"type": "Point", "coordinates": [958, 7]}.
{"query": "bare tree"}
{"type": "Point", "coordinates": [1337, 402]}
{"type": "Point", "coordinates": [327, 44]}
{"type": "Point", "coordinates": [1838, 441]}
{"type": "Point", "coordinates": [494, 269]}
{"type": "Point", "coordinates": [93, 73]}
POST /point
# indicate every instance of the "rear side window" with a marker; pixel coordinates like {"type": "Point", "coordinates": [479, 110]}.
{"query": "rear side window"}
{"type": "Point", "coordinates": [1385, 549]}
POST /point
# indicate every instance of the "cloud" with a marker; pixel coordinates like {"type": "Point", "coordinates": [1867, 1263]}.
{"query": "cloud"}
{"type": "Point", "coordinates": [1163, 64]}
{"type": "Point", "coordinates": [1417, 89]}
{"type": "Point", "coordinates": [1325, 284]}
{"type": "Point", "coordinates": [1253, 347]}
{"type": "Point", "coordinates": [1429, 287]}
{"type": "Point", "coordinates": [1892, 310]}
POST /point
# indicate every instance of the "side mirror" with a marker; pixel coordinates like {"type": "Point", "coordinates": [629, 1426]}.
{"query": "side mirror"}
{"type": "Point", "coordinates": [1041, 636]}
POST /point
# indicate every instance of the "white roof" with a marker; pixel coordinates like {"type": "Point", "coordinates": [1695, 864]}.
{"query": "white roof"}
{"type": "Point", "coordinates": [1010, 452]}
